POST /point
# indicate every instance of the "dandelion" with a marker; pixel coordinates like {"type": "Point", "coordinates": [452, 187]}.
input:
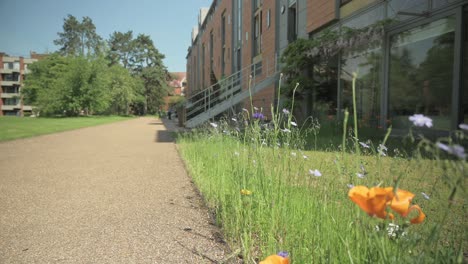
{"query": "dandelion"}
{"type": "Point", "coordinates": [455, 150]}
{"type": "Point", "coordinates": [280, 258]}
{"type": "Point", "coordinates": [293, 123]}
{"type": "Point", "coordinates": [463, 126]}
{"type": "Point", "coordinates": [315, 173]}
{"type": "Point", "coordinates": [425, 196]}
{"type": "Point", "coordinates": [246, 192]}
{"type": "Point", "coordinates": [421, 120]}
{"type": "Point", "coordinates": [214, 125]}
{"type": "Point", "coordinates": [364, 145]}
{"type": "Point", "coordinates": [286, 130]}
{"type": "Point", "coordinates": [374, 202]}
{"type": "Point", "coordinates": [285, 111]}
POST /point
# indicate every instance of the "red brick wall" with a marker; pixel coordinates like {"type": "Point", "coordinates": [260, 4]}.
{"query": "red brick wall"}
{"type": "Point", "coordinates": [319, 13]}
{"type": "Point", "coordinates": [265, 98]}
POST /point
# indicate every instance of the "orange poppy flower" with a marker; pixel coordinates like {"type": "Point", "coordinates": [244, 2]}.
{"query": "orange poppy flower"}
{"type": "Point", "coordinates": [374, 202]}
{"type": "Point", "coordinates": [275, 259]}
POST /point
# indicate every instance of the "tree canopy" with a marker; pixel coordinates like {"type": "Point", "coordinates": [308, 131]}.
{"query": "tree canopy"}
{"type": "Point", "coordinates": [85, 77]}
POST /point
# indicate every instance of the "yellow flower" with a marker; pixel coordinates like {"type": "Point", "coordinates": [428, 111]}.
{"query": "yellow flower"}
{"type": "Point", "coordinates": [245, 192]}
{"type": "Point", "coordinates": [374, 202]}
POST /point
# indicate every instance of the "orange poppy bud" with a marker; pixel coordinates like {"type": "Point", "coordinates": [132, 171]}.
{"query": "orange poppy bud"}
{"type": "Point", "coordinates": [275, 259]}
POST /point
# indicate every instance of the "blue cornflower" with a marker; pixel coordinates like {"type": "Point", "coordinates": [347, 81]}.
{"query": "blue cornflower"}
{"type": "Point", "coordinates": [455, 150]}
{"type": "Point", "coordinates": [258, 115]}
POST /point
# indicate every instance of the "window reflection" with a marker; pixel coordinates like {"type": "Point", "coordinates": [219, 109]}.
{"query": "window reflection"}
{"type": "Point", "coordinates": [367, 66]}
{"type": "Point", "coordinates": [421, 73]}
{"type": "Point", "coordinates": [465, 72]}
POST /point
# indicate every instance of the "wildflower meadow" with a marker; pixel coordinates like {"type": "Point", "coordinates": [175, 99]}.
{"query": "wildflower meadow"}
{"type": "Point", "coordinates": [271, 190]}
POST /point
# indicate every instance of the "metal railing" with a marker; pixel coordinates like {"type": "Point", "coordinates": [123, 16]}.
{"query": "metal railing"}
{"type": "Point", "coordinates": [202, 101]}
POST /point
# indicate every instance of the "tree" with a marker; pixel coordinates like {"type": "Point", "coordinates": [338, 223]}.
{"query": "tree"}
{"type": "Point", "coordinates": [155, 88]}
{"type": "Point", "coordinates": [125, 90]}
{"type": "Point", "coordinates": [79, 38]}
{"type": "Point", "coordinates": [121, 48]}
{"type": "Point", "coordinates": [145, 54]}
{"type": "Point", "coordinates": [43, 81]}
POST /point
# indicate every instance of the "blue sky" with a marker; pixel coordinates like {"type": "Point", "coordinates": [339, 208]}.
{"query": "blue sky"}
{"type": "Point", "coordinates": [32, 25]}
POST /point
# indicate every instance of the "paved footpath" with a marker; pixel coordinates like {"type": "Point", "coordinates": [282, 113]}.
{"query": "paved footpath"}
{"type": "Point", "coordinates": [115, 193]}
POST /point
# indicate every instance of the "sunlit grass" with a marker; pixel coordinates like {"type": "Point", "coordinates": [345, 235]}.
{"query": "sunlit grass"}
{"type": "Point", "coordinates": [311, 217]}
{"type": "Point", "coordinates": [269, 194]}
{"type": "Point", "coordinates": [15, 127]}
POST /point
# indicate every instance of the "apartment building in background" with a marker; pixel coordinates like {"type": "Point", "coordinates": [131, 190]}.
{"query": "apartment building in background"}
{"type": "Point", "coordinates": [419, 63]}
{"type": "Point", "coordinates": [13, 72]}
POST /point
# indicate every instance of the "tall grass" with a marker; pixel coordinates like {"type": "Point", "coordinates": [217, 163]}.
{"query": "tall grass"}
{"type": "Point", "coordinates": [269, 194]}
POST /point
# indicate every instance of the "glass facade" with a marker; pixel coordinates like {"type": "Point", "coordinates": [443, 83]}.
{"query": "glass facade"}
{"type": "Point", "coordinates": [367, 65]}
{"type": "Point", "coordinates": [464, 82]}
{"type": "Point", "coordinates": [421, 73]}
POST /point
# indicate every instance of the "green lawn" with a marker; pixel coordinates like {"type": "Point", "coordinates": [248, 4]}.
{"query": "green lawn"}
{"type": "Point", "coordinates": [15, 127]}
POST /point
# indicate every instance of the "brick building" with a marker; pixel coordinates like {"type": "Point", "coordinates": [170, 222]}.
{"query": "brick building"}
{"type": "Point", "coordinates": [419, 63]}
{"type": "Point", "coordinates": [13, 71]}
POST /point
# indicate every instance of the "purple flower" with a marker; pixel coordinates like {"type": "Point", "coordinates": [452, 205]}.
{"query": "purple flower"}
{"type": "Point", "coordinates": [463, 126]}
{"type": "Point", "coordinates": [455, 150]}
{"type": "Point", "coordinates": [364, 145]}
{"type": "Point", "coordinates": [258, 116]}
{"type": "Point", "coordinates": [315, 172]}
{"type": "Point", "coordinates": [420, 120]}
{"type": "Point", "coordinates": [283, 254]}
{"type": "Point", "coordinates": [425, 196]}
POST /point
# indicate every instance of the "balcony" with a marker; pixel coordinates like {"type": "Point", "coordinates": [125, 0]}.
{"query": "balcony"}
{"type": "Point", "coordinates": [10, 95]}
{"type": "Point", "coordinates": [10, 83]}
{"type": "Point", "coordinates": [11, 107]}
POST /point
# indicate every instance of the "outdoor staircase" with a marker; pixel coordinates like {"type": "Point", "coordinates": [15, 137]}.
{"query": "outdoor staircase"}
{"type": "Point", "coordinates": [230, 91]}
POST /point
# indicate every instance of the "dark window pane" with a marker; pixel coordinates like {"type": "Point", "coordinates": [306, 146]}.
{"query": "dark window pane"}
{"type": "Point", "coordinates": [421, 73]}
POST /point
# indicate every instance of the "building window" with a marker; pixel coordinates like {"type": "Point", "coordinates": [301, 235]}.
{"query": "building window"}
{"type": "Point", "coordinates": [292, 23]}
{"type": "Point", "coordinates": [421, 73]}
{"type": "Point", "coordinates": [464, 95]}
{"type": "Point", "coordinates": [343, 2]}
{"type": "Point", "coordinates": [223, 42]}
{"type": "Point", "coordinates": [268, 18]}
{"type": "Point", "coordinates": [258, 33]}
